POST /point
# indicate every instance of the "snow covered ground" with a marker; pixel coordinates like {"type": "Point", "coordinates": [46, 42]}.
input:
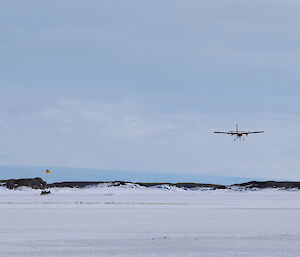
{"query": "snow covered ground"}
{"type": "Point", "coordinates": [143, 222]}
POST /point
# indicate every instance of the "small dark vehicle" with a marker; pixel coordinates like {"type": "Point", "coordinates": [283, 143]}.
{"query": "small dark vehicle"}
{"type": "Point", "coordinates": [45, 192]}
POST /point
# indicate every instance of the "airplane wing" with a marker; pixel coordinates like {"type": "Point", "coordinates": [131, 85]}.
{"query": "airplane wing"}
{"type": "Point", "coordinates": [255, 132]}
{"type": "Point", "coordinates": [221, 132]}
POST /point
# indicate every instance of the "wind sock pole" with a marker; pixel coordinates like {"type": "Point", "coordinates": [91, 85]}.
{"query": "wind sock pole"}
{"type": "Point", "coordinates": [46, 179]}
{"type": "Point", "coordinates": [44, 192]}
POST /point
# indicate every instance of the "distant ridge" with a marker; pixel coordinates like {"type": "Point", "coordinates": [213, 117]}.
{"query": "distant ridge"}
{"type": "Point", "coordinates": [269, 184]}
{"type": "Point", "coordinates": [38, 183]}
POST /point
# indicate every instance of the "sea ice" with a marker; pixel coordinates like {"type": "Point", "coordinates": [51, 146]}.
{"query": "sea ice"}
{"type": "Point", "coordinates": [144, 222]}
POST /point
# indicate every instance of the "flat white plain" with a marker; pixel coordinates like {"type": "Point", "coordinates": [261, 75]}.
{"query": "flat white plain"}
{"type": "Point", "coordinates": [137, 222]}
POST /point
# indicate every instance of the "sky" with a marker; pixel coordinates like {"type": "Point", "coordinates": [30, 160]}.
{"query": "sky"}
{"type": "Point", "coordinates": [141, 85]}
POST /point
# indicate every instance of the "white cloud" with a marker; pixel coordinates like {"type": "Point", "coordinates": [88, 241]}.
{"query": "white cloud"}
{"type": "Point", "coordinates": [122, 119]}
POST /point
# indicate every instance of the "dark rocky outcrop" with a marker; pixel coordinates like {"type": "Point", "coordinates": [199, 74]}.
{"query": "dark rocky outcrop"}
{"type": "Point", "coordinates": [269, 184]}
{"type": "Point", "coordinates": [35, 183]}
{"type": "Point", "coordinates": [197, 185]}
{"type": "Point", "coordinates": [184, 185]}
{"type": "Point", "coordinates": [38, 183]}
{"type": "Point", "coordinates": [81, 184]}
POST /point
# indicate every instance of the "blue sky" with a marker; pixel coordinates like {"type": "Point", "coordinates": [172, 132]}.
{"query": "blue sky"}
{"type": "Point", "coordinates": [141, 85]}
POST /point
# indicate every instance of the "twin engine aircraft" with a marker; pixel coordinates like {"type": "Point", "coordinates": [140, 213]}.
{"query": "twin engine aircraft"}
{"type": "Point", "coordinates": [238, 134]}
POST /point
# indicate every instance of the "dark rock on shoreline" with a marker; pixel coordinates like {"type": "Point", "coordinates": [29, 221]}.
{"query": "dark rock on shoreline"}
{"type": "Point", "coordinates": [121, 183]}
{"type": "Point", "coordinates": [35, 183]}
{"type": "Point", "coordinates": [80, 184]}
{"type": "Point", "coordinates": [184, 185]}
{"type": "Point", "coordinates": [269, 184]}
{"type": "Point", "coordinates": [38, 183]}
